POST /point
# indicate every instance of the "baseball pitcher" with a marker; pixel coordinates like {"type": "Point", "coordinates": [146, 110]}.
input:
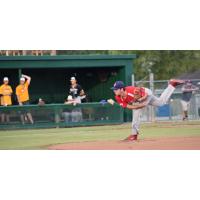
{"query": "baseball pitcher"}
{"type": "Point", "coordinates": [136, 98]}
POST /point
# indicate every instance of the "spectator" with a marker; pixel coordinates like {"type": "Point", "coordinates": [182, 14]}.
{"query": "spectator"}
{"type": "Point", "coordinates": [37, 52]}
{"type": "Point", "coordinates": [76, 90]}
{"type": "Point", "coordinates": [2, 52]}
{"type": "Point", "coordinates": [5, 97]}
{"type": "Point", "coordinates": [23, 97]}
{"type": "Point", "coordinates": [187, 91]}
{"type": "Point", "coordinates": [41, 102]}
{"type": "Point", "coordinates": [74, 115]}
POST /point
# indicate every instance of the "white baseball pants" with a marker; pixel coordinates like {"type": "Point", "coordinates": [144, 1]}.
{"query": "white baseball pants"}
{"type": "Point", "coordinates": [153, 101]}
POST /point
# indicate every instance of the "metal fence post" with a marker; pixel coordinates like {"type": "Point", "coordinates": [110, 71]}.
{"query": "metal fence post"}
{"type": "Point", "coordinates": [151, 85]}
{"type": "Point", "coordinates": [196, 107]}
{"type": "Point", "coordinates": [19, 73]}
{"type": "Point", "coordinates": [133, 80]}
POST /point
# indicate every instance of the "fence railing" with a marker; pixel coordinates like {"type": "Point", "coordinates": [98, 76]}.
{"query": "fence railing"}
{"type": "Point", "coordinates": [59, 115]}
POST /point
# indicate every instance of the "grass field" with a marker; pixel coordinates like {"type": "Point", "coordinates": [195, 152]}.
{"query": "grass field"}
{"type": "Point", "coordinates": [42, 138]}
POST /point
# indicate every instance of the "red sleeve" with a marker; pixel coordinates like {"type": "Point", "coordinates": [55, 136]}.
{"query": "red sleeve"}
{"type": "Point", "coordinates": [143, 92]}
{"type": "Point", "coordinates": [120, 102]}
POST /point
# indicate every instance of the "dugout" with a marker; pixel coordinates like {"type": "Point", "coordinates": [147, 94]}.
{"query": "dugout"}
{"type": "Point", "coordinates": [51, 74]}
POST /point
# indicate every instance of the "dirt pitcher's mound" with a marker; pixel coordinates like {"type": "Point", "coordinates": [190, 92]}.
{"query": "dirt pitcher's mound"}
{"type": "Point", "coordinates": [178, 143]}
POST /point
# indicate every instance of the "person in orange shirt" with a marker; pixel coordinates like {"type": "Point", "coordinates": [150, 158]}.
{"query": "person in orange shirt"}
{"type": "Point", "coordinates": [23, 96]}
{"type": "Point", "coordinates": [5, 97]}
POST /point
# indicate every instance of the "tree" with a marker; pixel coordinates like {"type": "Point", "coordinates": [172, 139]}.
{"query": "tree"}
{"type": "Point", "coordinates": [165, 64]}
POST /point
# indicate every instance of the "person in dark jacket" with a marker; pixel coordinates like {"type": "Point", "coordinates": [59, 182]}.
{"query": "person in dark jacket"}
{"type": "Point", "coordinates": [76, 91]}
{"type": "Point", "coordinates": [187, 90]}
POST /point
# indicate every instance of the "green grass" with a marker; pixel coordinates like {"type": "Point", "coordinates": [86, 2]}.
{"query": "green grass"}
{"type": "Point", "coordinates": [41, 138]}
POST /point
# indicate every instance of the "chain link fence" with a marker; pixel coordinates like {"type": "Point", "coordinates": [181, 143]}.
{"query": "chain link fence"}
{"type": "Point", "coordinates": [172, 110]}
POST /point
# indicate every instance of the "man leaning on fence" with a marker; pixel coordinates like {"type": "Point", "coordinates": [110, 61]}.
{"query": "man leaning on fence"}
{"type": "Point", "coordinates": [23, 97]}
{"type": "Point", "coordinates": [72, 115]}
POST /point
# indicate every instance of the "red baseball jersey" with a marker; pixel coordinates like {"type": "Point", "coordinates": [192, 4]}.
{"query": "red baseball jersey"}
{"type": "Point", "coordinates": [131, 90]}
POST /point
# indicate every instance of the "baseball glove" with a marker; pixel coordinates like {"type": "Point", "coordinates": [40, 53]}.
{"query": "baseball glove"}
{"type": "Point", "coordinates": [110, 101]}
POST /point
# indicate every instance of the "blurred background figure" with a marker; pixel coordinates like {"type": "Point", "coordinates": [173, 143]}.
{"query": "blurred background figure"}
{"type": "Point", "coordinates": [72, 115]}
{"type": "Point", "coordinates": [5, 97]}
{"type": "Point", "coordinates": [37, 52]}
{"type": "Point", "coordinates": [187, 90]}
{"type": "Point", "coordinates": [41, 102]}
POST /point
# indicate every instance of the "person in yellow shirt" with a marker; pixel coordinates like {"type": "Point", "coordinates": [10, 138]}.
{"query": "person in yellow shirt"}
{"type": "Point", "coordinates": [23, 96]}
{"type": "Point", "coordinates": [5, 97]}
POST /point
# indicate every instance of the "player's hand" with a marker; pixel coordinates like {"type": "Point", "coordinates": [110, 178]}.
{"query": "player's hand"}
{"type": "Point", "coordinates": [110, 101]}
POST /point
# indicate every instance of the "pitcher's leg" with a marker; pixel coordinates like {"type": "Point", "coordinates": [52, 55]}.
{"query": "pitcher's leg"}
{"type": "Point", "coordinates": [166, 94]}
{"type": "Point", "coordinates": [135, 125]}
{"type": "Point", "coordinates": [164, 97]}
{"type": "Point", "coordinates": [136, 121]}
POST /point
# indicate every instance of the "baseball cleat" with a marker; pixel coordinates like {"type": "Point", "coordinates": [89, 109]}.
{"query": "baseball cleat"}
{"type": "Point", "coordinates": [131, 138]}
{"type": "Point", "coordinates": [175, 82]}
